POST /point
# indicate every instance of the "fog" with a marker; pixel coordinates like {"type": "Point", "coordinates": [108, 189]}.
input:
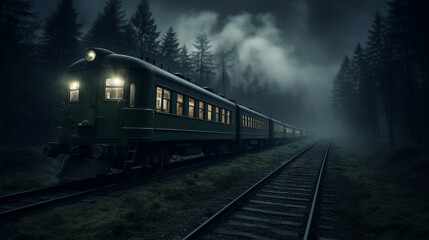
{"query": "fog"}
{"type": "Point", "coordinates": [286, 42]}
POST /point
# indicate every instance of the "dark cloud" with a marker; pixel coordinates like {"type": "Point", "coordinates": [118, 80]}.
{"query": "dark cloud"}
{"type": "Point", "coordinates": [285, 40]}
{"type": "Point", "coordinates": [320, 31]}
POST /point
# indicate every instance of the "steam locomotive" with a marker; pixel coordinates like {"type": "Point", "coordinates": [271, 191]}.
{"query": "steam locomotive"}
{"type": "Point", "coordinates": [125, 113]}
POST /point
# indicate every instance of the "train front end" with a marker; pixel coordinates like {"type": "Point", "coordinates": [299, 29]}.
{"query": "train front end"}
{"type": "Point", "coordinates": [91, 133]}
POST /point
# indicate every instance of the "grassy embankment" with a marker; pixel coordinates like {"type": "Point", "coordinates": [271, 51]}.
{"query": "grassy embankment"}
{"type": "Point", "coordinates": [162, 209]}
{"type": "Point", "coordinates": [23, 169]}
{"type": "Point", "coordinates": [385, 210]}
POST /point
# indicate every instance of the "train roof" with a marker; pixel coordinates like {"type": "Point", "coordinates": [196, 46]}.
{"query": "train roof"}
{"type": "Point", "coordinates": [252, 111]}
{"type": "Point", "coordinates": [109, 59]}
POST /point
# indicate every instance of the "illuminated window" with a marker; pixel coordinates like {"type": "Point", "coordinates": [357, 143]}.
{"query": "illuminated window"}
{"type": "Point", "coordinates": [191, 107]}
{"type": "Point", "coordinates": [179, 105]}
{"type": "Point", "coordinates": [228, 117]}
{"type": "Point", "coordinates": [74, 95]}
{"type": "Point", "coordinates": [158, 98]}
{"type": "Point", "coordinates": [201, 110]}
{"type": "Point", "coordinates": [163, 99]}
{"type": "Point", "coordinates": [114, 88]}
{"type": "Point", "coordinates": [223, 116]}
{"type": "Point", "coordinates": [217, 114]}
{"type": "Point", "coordinates": [278, 128]}
{"type": "Point", "coordinates": [209, 112]}
{"type": "Point", "coordinates": [132, 94]}
{"type": "Point", "coordinates": [244, 121]}
{"type": "Point", "coordinates": [74, 91]}
{"type": "Point", "coordinates": [166, 101]}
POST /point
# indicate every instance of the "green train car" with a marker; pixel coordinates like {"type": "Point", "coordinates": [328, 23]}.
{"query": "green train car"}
{"type": "Point", "coordinates": [127, 114]}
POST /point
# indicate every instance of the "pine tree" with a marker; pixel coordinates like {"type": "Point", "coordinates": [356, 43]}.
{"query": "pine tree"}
{"type": "Point", "coordinates": [145, 32]}
{"type": "Point", "coordinates": [418, 18]}
{"type": "Point", "coordinates": [170, 50]}
{"type": "Point", "coordinates": [342, 94]}
{"type": "Point", "coordinates": [203, 60]}
{"type": "Point", "coordinates": [18, 69]}
{"type": "Point", "coordinates": [110, 28]}
{"type": "Point", "coordinates": [399, 36]}
{"type": "Point", "coordinates": [184, 63]}
{"type": "Point", "coordinates": [365, 108]}
{"type": "Point", "coordinates": [18, 26]}
{"type": "Point", "coordinates": [60, 41]}
{"type": "Point", "coordinates": [379, 63]}
{"type": "Point", "coordinates": [227, 59]}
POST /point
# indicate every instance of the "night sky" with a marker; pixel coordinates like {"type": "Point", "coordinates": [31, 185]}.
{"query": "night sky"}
{"type": "Point", "coordinates": [282, 40]}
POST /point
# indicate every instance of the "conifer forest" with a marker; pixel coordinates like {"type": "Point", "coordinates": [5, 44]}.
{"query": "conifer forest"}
{"type": "Point", "coordinates": [380, 90]}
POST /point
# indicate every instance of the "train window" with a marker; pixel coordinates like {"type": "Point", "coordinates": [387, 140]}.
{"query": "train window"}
{"type": "Point", "coordinates": [223, 116]}
{"type": "Point", "coordinates": [201, 110]}
{"type": "Point", "coordinates": [166, 98]}
{"type": "Point", "coordinates": [132, 94]}
{"type": "Point", "coordinates": [179, 104]}
{"type": "Point", "coordinates": [209, 112]}
{"type": "Point", "coordinates": [217, 114]}
{"type": "Point", "coordinates": [158, 98]}
{"type": "Point", "coordinates": [114, 88]}
{"type": "Point", "coordinates": [74, 95]}
{"type": "Point", "coordinates": [191, 107]}
{"type": "Point", "coordinates": [228, 117]}
{"type": "Point", "coordinates": [243, 120]}
{"type": "Point", "coordinates": [74, 91]}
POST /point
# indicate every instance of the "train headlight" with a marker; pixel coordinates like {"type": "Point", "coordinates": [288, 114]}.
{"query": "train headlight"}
{"type": "Point", "coordinates": [90, 55]}
{"type": "Point", "coordinates": [74, 85]}
{"type": "Point", "coordinates": [114, 82]}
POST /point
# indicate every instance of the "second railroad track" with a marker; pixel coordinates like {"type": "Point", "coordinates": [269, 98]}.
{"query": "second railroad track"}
{"type": "Point", "coordinates": [280, 206]}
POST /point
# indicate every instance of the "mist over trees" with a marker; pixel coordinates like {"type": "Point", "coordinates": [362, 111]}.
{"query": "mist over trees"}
{"type": "Point", "coordinates": [36, 52]}
{"type": "Point", "coordinates": [383, 92]}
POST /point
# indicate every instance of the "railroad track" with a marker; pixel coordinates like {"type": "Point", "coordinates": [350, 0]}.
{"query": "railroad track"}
{"type": "Point", "coordinates": [16, 204]}
{"type": "Point", "coordinates": [280, 206]}
{"type": "Point", "coordinates": [21, 202]}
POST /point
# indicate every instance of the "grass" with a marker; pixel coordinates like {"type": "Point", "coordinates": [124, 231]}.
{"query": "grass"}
{"type": "Point", "coordinates": [163, 209]}
{"type": "Point", "coordinates": [384, 210]}
{"type": "Point", "coordinates": [23, 169]}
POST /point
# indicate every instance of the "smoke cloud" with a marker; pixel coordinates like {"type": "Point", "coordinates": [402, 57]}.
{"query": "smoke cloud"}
{"type": "Point", "coordinates": [264, 46]}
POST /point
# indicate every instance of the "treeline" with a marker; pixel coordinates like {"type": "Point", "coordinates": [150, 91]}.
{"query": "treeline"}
{"type": "Point", "coordinates": [36, 52]}
{"type": "Point", "coordinates": [382, 91]}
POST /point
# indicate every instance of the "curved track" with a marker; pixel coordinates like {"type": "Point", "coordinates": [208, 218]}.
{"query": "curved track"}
{"type": "Point", "coordinates": [280, 206]}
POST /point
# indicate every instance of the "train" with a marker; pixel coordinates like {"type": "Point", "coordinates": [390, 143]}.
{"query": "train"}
{"type": "Point", "coordinates": [125, 113]}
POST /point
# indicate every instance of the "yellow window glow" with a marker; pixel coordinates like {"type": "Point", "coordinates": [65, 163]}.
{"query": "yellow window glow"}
{"type": "Point", "coordinates": [191, 107]}
{"type": "Point", "coordinates": [209, 112]}
{"type": "Point", "coordinates": [179, 106]}
{"type": "Point", "coordinates": [201, 110]}
{"type": "Point", "coordinates": [158, 98]}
